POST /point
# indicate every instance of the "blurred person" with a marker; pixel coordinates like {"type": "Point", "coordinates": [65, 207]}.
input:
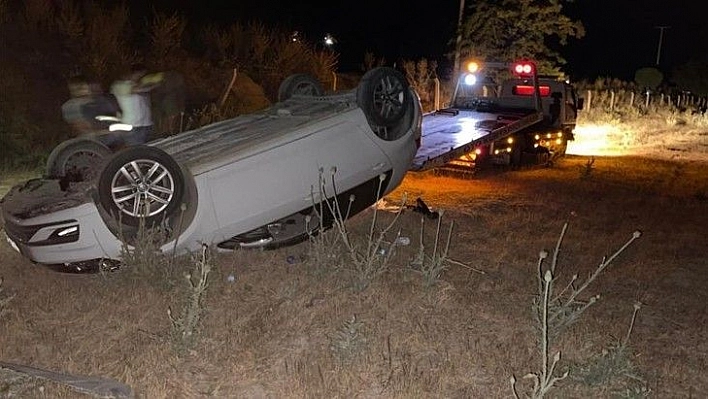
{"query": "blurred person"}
{"type": "Point", "coordinates": [86, 103]}
{"type": "Point", "coordinates": [168, 100]}
{"type": "Point", "coordinates": [133, 98]}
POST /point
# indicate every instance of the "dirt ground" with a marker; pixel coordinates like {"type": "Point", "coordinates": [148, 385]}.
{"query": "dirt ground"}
{"type": "Point", "coordinates": [284, 324]}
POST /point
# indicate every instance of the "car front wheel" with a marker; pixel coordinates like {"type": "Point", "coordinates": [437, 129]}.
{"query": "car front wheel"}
{"type": "Point", "coordinates": [141, 183]}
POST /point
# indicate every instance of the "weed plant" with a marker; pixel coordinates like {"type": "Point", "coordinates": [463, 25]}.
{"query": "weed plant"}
{"type": "Point", "coordinates": [185, 324]}
{"type": "Point", "coordinates": [554, 312]}
{"type": "Point", "coordinates": [369, 256]}
{"type": "Point", "coordinates": [565, 307]}
{"type": "Point", "coordinates": [5, 299]}
{"type": "Point", "coordinates": [431, 266]}
{"type": "Point", "coordinates": [587, 169]}
{"type": "Point", "coordinates": [349, 340]}
{"type": "Point", "coordinates": [325, 250]}
{"type": "Point", "coordinates": [614, 363]}
{"type": "Point", "coordinates": [141, 255]}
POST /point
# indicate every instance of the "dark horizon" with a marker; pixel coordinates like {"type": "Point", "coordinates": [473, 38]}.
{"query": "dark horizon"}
{"type": "Point", "coordinates": [620, 36]}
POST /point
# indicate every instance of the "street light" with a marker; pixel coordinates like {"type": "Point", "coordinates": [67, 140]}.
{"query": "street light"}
{"type": "Point", "coordinates": [329, 40]}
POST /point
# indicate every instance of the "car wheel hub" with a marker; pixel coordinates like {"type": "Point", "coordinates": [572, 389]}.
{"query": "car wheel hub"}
{"type": "Point", "coordinates": [142, 188]}
{"type": "Point", "coordinates": [388, 98]}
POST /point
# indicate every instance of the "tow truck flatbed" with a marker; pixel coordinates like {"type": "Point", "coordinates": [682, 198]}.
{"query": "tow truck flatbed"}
{"type": "Point", "coordinates": [451, 133]}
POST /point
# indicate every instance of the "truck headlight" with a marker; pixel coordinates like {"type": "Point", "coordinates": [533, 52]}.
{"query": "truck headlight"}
{"type": "Point", "coordinates": [470, 79]}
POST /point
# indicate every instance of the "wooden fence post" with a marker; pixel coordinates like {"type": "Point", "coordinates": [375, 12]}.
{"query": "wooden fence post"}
{"type": "Point", "coordinates": [589, 102]}
{"type": "Point", "coordinates": [612, 100]}
{"type": "Point", "coordinates": [631, 99]}
{"type": "Point", "coordinates": [646, 102]}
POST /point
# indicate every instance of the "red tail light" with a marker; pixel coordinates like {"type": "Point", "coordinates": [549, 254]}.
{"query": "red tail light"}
{"type": "Point", "coordinates": [525, 68]}
{"type": "Point", "coordinates": [527, 90]}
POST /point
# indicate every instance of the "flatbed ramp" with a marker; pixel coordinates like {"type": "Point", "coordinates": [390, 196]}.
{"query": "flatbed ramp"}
{"type": "Point", "coordinates": [450, 134]}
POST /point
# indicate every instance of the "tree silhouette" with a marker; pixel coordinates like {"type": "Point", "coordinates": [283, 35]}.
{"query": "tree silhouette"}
{"type": "Point", "coordinates": [513, 29]}
{"type": "Point", "coordinates": [692, 76]}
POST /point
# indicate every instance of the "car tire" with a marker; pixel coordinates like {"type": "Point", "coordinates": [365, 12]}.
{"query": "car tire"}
{"type": "Point", "coordinates": [384, 96]}
{"type": "Point", "coordinates": [141, 183]}
{"type": "Point", "coordinates": [79, 159]}
{"type": "Point", "coordinates": [300, 84]}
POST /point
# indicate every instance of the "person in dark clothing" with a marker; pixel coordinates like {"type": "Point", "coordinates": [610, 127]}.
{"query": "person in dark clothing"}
{"type": "Point", "coordinates": [86, 103]}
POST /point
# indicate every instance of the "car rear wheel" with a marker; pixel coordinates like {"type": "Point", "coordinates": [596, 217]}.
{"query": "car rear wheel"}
{"type": "Point", "coordinates": [141, 183]}
{"type": "Point", "coordinates": [384, 96]}
{"type": "Point", "coordinates": [300, 84]}
{"type": "Point", "coordinates": [78, 159]}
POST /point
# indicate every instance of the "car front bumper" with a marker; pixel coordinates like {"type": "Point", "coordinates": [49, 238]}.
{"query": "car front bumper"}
{"type": "Point", "coordinates": [68, 235]}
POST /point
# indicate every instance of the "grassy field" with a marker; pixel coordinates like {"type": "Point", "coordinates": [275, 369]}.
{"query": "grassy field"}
{"type": "Point", "coordinates": [295, 323]}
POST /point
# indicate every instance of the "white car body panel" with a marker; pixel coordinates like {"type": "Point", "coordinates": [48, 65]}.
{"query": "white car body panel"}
{"type": "Point", "coordinates": [244, 173]}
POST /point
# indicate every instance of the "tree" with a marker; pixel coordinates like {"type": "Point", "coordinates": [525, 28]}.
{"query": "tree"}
{"type": "Point", "coordinates": [649, 78]}
{"type": "Point", "coordinates": [504, 30]}
{"type": "Point", "coordinates": [692, 76]}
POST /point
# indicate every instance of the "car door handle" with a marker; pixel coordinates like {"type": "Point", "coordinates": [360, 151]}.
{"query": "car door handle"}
{"type": "Point", "coordinates": [379, 166]}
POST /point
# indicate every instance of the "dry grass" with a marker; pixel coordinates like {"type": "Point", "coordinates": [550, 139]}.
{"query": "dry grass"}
{"type": "Point", "coordinates": [276, 329]}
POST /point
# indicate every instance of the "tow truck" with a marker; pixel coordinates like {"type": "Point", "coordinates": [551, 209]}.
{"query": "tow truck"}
{"type": "Point", "coordinates": [527, 119]}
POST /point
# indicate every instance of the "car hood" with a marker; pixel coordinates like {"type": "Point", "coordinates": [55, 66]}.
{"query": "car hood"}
{"type": "Point", "coordinates": [41, 196]}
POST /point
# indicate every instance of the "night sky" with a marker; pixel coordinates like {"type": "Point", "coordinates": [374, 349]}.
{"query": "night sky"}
{"type": "Point", "coordinates": [621, 35]}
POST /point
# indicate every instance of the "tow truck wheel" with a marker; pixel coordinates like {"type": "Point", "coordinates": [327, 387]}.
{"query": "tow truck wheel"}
{"type": "Point", "coordinates": [300, 84]}
{"type": "Point", "coordinates": [141, 183]}
{"type": "Point", "coordinates": [77, 159]}
{"type": "Point", "coordinates": [384, 96]}
{"type": "Point", "coordinates": [562, 148]}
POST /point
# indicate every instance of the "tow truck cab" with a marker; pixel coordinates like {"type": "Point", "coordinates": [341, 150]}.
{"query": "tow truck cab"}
{"type": "Point", "coordinates": [559, 102]}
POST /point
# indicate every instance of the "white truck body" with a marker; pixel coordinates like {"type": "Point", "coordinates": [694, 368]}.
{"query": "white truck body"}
{"type": "Point", "coordinates": [519, 119]}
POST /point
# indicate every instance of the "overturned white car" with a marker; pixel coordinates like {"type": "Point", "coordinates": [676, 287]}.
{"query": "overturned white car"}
{"type": "Point", "coordinates": [255, 180]}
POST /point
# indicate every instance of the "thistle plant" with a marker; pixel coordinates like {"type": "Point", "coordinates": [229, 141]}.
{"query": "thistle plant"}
{"type": "Point", "coordinates": [544, 380]}
{"type": "Point", "coordinates": [370, 257]}
{"type": "Point", "coordinates": [185, 326]}
{"type": "Point", "coordinates": [566, 306]}
{"type": "Point", "coordinates": [554, 312]}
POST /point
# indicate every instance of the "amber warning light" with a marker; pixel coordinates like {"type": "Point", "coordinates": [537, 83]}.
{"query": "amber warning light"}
{"type": "Point", "coordinates": [472, 67]}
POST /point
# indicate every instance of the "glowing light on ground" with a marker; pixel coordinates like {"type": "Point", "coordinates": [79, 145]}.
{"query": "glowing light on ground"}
{"type": "Point", "coordinates": [605, 140]}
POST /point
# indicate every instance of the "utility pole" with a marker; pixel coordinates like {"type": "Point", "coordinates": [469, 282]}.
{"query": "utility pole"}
{"type": "Point", "coordinates": [661, 39]}
{"type": "Point", "coordinates": [458, 43]}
